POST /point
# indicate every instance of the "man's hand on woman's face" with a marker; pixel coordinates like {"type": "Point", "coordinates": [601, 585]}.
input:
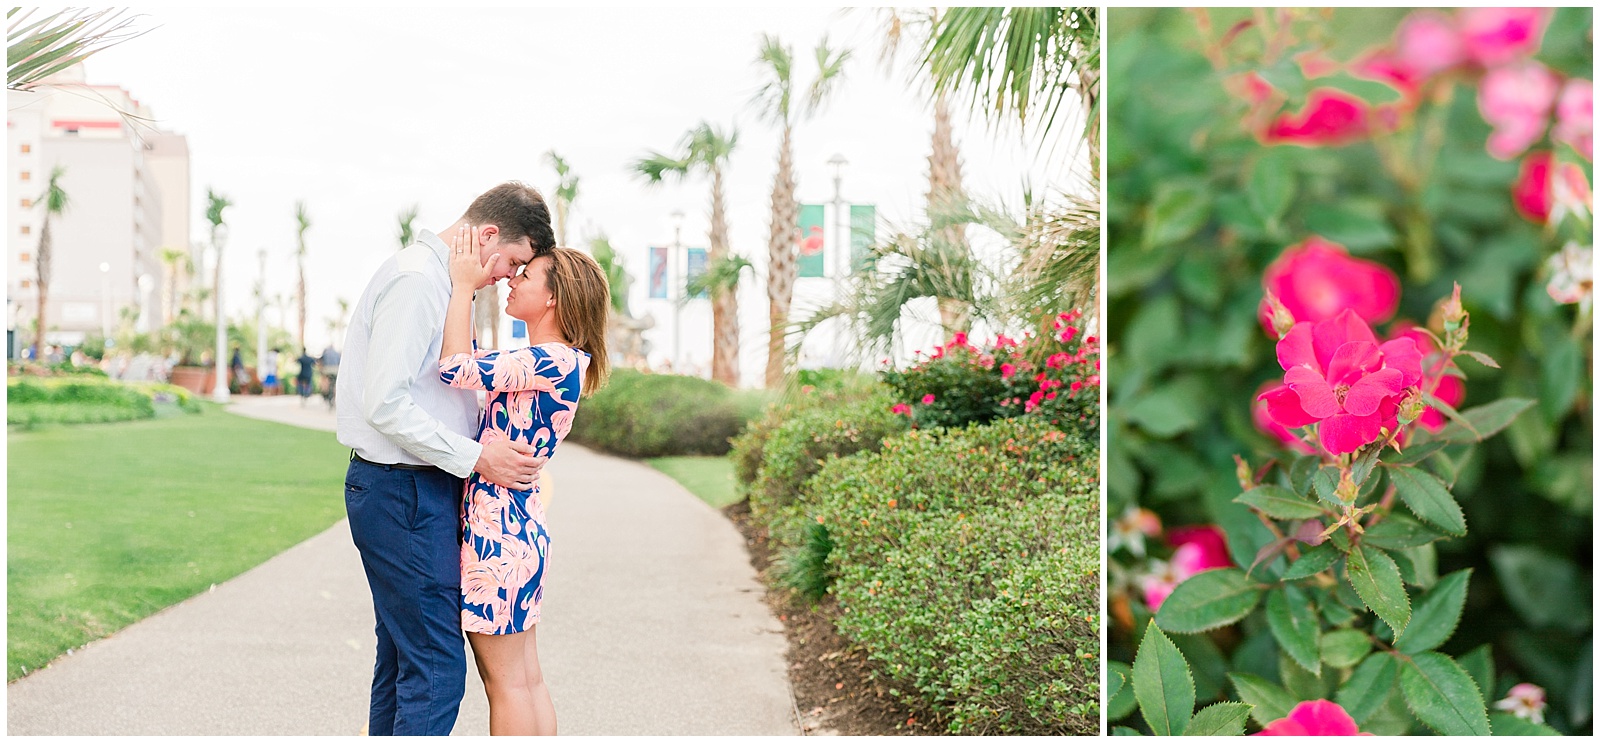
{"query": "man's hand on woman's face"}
{"type": "Point", "coordinates": [468, 272]}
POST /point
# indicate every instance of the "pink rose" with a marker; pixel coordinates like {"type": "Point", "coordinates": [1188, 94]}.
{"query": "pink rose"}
{"type": "Point", "coordinates": [1339, 377]}
{"type": "Point", "coordinates": [1427, 43]}
{"type": "Point", "coordinates": [1516, 101]}
{"type": "Point", "coordinates": [1571, 192]}
{"type": "Point", "coordinates": [1495, 36]}
{"type": "Point", "coordinates": [901, 409]}
{"type": "Point", "coordinates": [1316, 717]}
{"type": "Point", "coordinates": [1525, 701]}
{"type": "Point", "coordinates": [1198, 549]}
{"type": "Point", "coordinates": [1007, 370]}
{"type": "Point", "coordinates": [1265, 423]}
{"type": "Point", "coordinates": [1316, 280]}
{"type": "Point", "coordinates": [1447, 388]}
{"type": "Point", "coordinates": [1330, 118]}
{"type": "Point", "coordinates": [1575, 116]}
{"type": "Point", "coordinates": [927, 399]}
{"type": "Point", "coordinates": [1531, 193]}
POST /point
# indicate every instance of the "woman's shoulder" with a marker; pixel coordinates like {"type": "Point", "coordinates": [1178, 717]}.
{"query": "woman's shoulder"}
{"type": "Point", "coordinates": [555, 347]}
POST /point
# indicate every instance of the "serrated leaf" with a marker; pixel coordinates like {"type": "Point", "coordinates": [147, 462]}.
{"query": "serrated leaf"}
{"type": "Point", "coordinates": [1211, 599]}
{"type": "Point", "coordinates": [1367, 688]}
{"type": "Point", "coordinates": [1162, 684]}
{"type": "Point", "coordinates": [1124, 730]}
{"type": "Point", "coordinates": [1482, 358]}
{"type": "Point", "coordinates": [1559, 373]}
{"type": "Point", "coordinates": [1488, 420]}
{"type": "Point", "coordinates": [1507, 724]}
{"type": "Point", "coordinates": [1313, 561]}
{"type": "Point", "coordinates": [1365, 460]}
{"type": "Point", "coordinates": [1267, 700]}
{"type": "Point", "coordinates": [1479, 664]}
{"type": "Point", "coordinates": [1398, 532]}
{"type": "Point", "coordinates": [1222, 718]}
{"type": "Point", "coordinates": [1344, 648]}
{"type": "Point", "coordinates": [1376, 579]}
{"type": "Point", "coordinates": [1428, 499]}
{"type": "Point", "coordinates": [1443, 696]}
{"type": "Point", "coordinates": [1294, 625]}
{"type": "Point", "coordinates": [1324, 483]}
{"type": "Point", "coordinates": [1279, 503]}
{"type": "Point", "coordinates": [1436, 614]}
{"type": "Point", "coordinates": [1300, 475]}
{"type": "Point", "coordinates": [1416, 453]}
{"type": "Point", "coordinates": [1120, 701]}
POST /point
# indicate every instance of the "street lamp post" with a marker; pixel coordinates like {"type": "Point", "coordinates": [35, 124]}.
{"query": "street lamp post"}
{"type": "Point", "coordinates": [678, 293]}
{"type": "Point", "coordinates": [105, 301]}
{"type": "Point", "coordinates": [841, 257]}
{"type": "Point", "coordinates": [219, 391]}
{"type": "Point", "coordinates": [261, 317]}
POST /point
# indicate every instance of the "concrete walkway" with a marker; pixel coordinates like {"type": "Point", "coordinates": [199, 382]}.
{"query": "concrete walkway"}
{"type": "Point", "coordinates": [654, 624]}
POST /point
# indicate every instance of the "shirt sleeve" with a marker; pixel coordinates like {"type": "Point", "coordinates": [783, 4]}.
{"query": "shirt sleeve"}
{"type": "Point", "coordinates": [404, 316]}
{"type": "Point", "coordinates": [538, 369]}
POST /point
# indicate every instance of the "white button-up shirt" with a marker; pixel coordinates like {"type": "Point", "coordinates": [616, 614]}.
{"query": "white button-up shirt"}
{"type": "Point", "coordinates": [392, 407]}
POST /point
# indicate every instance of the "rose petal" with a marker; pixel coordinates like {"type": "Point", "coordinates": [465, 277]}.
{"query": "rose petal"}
{"type": "Point", "coordinates": [1316, 397]}
{"type": "Point", "coordinates": [1346, 327]}
{"type": "Point", "coordinates": [1322, 717]}
{"type": "Point", "coordinates": [1295, 348]}
{"type": "Point", "coordinates": [1345, 433]}
{"type": "Point", "coordinates": [1365, 395]}
{"type": "Point", "coordinates": [1353, 361]}
{"type": "Point", "coordinates": [1405, 355]}
{"type": "Point", "coordinates": [1283, 405]}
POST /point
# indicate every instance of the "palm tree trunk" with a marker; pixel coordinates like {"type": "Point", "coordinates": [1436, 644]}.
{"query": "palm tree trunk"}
{"type": "Point", "coordinates": [725, 302]}
{"type": "Point", "coordinates": [42, 265]}
{"type": "Point", "coordinates": [781, 264]}
{"type": "Point", "coordinates": [945, 193]}
{"type": "Point", "coordinates": [300, 298]}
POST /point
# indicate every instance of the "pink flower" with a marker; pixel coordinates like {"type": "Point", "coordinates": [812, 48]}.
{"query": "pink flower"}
{"type": "Point", "coordinates": [927, 399]}
{"type": "Point", "coordinates": [1337, 376]}
{"type": "Point", "coordinates": [1265, 423]}
{"type": "Point", "coordinates": [1525, 701]}
{"type": "Point", "coordinates": [1427, 43]}
{"type": "Point", "coordinates": [1449, 389]}
{"type": "Point", "coordinates": [1130, 529]}
{"type": "Point", "coordinates": [1076, 385]}
{"type": "Point", "coordinates": [1495, 36]}
{"type": "Point", "coordinates": [1316, 717]}
{"type": "Point", "coordinates": [1571, 275]}
{"type": "Point", "coordinates": [1006, 370]}
{"type": "Point", "coordinates": [960, 339]}
{"type": "Point", "coordinates": [1199, 548]}
{"type": "Point", "coordinates": [1516, 101]}
{"type": "Point", "coordinates": [1330, 118]}
{"type": "Point", "coordinates": [1571, 194]}
{"type": "Point", "coordinates": [901, 409]}
{"type": "Point", "coordinates": [1316, 280]}
{"type": "Point", "coordinates": [1057, 360]}
{"type": "Point", "coordinates": [1531, 193]}
{"type": "Point", "coordinates": [1575, 116]}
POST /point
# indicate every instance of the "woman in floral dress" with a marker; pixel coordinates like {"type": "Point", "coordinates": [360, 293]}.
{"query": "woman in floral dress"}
{"type": "Point", "coordinates": [533, 394]}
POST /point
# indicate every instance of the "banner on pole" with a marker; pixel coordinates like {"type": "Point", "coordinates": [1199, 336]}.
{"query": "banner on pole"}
{"type": "Point", "coordinates": [658, 273]}
{"type": "Point", "coordinates": [696, 269]}
{"type": "Point", "coordinates": [863, 233]}
{"type": "Point", "coordinates": [812, 231]}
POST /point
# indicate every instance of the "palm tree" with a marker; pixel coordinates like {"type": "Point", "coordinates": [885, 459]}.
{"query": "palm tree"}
{"type": "Point", "coordinates": [177, 260]}
{"type": "Point", "coordinates": [302, 221]}
{"type": "Point", "coordinates": [616, 274]}
{"type": "Point", "coordinates": [775, 103]}
{"type": "Point", "coordinates": [55, 201]}
{"type": "Point", "coordinates": [215, 203]}
{"type": "Point", "coordinates": [407, 216]}
{"type": "Point", "coordinates": [566, 193]}
{"type": "Point", "coordinates": [706, 149]}
{"type": "Point", "coordinates": [55, 42]}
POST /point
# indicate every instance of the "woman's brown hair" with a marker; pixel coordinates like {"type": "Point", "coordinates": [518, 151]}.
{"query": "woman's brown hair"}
{"type": "Point", "coordinates": [583, 304]}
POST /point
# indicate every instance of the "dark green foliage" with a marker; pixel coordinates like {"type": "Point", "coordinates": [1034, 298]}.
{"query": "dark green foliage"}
{"type": "Point", "coordinates": [795, 450]}
{"type": "Point", "coordinates": [653, 415]}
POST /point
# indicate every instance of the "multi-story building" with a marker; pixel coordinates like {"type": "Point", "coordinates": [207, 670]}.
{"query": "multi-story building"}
{"type": "Point", "coordinates": [128, 198]}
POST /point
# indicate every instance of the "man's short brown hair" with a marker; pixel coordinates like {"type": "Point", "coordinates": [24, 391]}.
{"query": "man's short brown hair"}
{"type": "Point", "coordinates": [519, 211]}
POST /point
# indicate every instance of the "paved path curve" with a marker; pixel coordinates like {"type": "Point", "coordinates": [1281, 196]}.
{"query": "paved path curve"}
{"type": "Point", "coordinates": [654, 623]}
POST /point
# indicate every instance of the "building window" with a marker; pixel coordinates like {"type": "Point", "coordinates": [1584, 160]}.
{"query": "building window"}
{"type": "Point", "coordinates": [26, 283]}
{"type": "Point", "coordinates": [26, 176]}
{"type": "Point", "coordinates": [23, 257]}
{"type": "Point", "coordinates": [27, 203]}
{"type": "Point", "coordinates": [26, 230]}
{"type": "Point", "coordinates": [27, 148]}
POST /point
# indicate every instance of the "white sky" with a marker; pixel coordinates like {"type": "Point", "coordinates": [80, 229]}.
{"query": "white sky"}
{"type": "Point", "coordinates": [362, 112]}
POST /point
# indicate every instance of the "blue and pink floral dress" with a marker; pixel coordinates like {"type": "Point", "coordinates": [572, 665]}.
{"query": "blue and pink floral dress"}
{"type": "Point", "coordinates": [533, 394]}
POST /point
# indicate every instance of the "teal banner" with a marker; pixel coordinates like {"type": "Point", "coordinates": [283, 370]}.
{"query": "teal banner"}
{"type": "Point", "coordinates": [812, 229]}
{"type": "Point", "coordinates": [863, 234]}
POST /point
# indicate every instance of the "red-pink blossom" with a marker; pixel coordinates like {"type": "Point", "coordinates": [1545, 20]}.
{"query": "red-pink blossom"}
{"type": "Point", "coordinates": [1428, 43]}
{"type": "Point", "coordinates": [1265, 422]}
{"type": "Point", "coordinates": [1340, 378]}
{"type": "Point", "coordinates": [1496, 36]}
{"type": "Point", "coordinates": [960, 339]}
{"type": "Point", "coordinates": [1006, 370]}
{"type": "Point", "coordinates": [1316, 717]}
{"type": "Point", "coordinates": [1575, 116]}
{"type": "Point", "coordinates": [1331, 117]}
{"type": "Point", "coordinates": [1531, 193]}
{"type": "Point", "coordinates": [927, 399]}
{"type": "Point", "coordinates": [901, 409]}
{"type": "Point", "coordinates": [1057, 360]}
{"type": "Point", "coordinates": [1449, 389]}
{"type": "Point", "coordinates": [1316, 280]}
{"type": "Point", "coordinates": [1571, 193]}
{"type": "Point", "coordinates": [1197, 549]}
{"type": "Point", "coordinates": [1516, 100]}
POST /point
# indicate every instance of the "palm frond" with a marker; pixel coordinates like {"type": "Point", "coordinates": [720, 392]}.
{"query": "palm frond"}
{"type": "Point", "coordinates": [720, 276]}
{"type": "Point", "coordinates": [710, 145]}
{"type": "Point", "coordinates": [772, 101]}
{"type": "Point", "coordinates": [215, 203]}
{"type": "Point", "coordinates": [655, 167]}
{"type": "Point", "coordinates": [406, 218]}
{"type": "Point", "coordinates": [830, 72]}
{"type": "Point", "coordinates": [55, 197]}
{"type": "Point", "coordinates": [37, 50]}
{"type": "Point", "coordinates": [616, 274]}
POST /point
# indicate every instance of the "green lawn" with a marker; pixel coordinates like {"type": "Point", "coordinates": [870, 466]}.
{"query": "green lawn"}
{"type": "Point", "coordinates": [711, 478]}
{"type": "Point", "coordinates": [110, 523]}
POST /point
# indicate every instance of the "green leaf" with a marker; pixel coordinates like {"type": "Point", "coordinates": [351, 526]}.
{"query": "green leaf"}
{"type": "Point", "coordinates": [1546, 590]}
{"type": "Point", "coordinates": [1487, 419]}
{"type": "Point", "coordinates": [1505, 723]}
{"type": "Point", "coordinates": [1416, 453]}
{"type": "Point", "coordinates": [1398, 532]}
{"type": "Point", "coordinates": [1363, 463]}
{"type": "Point", "coordinates": [1162, 684]}
{"type": "Point", "coordinates": [1325, 482]}
{"type": "Point", "coordinates": [1294, 625]}
{"type": "Point", "coordinates": [1177, 211]}
{"type": "Point", "coordinates": [1279, 503]}
{"type": "Point", "coordinates": [1559, 373]}
{"type": "Point", "coordinates": [1436, 615]}
{"type": "Point", "coordinates": [1313, 561]}
{"type": "Point", "coordinates": [1267, 700]}
{"type": "Point", "coordinates": [1479, 664]}
{"type": "Point", "coordinates": [1120, 701]}
{"type": "Point", "coordinates": [1359, 229]}
{"type": "Point", "coordinates": [1428, 499]}
{"type": "Point", "coordinates": [1209, 600]}
{"type": "Point", "coordinates": [1300, 474]}
{"type": "Point", "coordinates": [1368, 687]}
{"type": "Point", "coordinates": [1222, 718]}
{"type": "Point", "coordinates": [1371, 91]}
{"type": "Point", "coordinates": [1271, 186]}
{"type": "Point", "coordinates": [1482, 358]}
{"type": "Point", "coordinates": [1377, 581]}
{"type": "Point", "coordinates": [1122, 730]}
{"type": "Point", "coordinates": [1343, 648]}
{"type": "Point", "coordinates": [1166, 412]}
{"type": "Point", "coordinates": [1443, 696]}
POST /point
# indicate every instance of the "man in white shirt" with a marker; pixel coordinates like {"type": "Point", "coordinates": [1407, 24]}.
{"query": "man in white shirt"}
{"type": "Point", "coordinates": [412, 441]}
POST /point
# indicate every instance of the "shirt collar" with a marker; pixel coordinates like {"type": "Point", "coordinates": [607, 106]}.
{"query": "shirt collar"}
{"type": "Point", "coordinates": [440, 250]}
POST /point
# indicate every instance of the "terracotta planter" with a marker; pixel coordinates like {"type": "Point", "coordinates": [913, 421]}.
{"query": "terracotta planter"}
{"type": "Point", "coordinates": [196, 379]}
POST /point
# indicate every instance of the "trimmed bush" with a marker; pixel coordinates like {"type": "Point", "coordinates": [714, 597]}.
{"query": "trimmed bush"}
{"type": "Point", "coordinates": [967, 565]}
{"type": "Point", "coordinates": [817, 389]}
{"type": "Point", "coordinates": [657, 415]}
{"type": "Point", "coordinates": [31, 403]}
{"type": "Point", "coordinates": [794, 451]}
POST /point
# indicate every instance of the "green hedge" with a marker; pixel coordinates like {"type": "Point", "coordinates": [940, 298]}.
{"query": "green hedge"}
{"type": "Point", "coordinates": [966, 563]}
{"type": "Point", "coordinates": [32, 402]}
{"type": "Point", "coordinates": [813, 389]}
{"type": "Point", "coordinates": [656, 415]}
{"type": "Point", "coordinates": [795, 450]}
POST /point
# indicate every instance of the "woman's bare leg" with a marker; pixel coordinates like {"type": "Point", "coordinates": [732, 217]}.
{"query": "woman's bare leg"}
{"type": "Point", "coordinates": [519, 701]}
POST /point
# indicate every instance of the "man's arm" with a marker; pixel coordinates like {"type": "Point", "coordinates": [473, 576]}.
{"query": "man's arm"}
{"type": "Point", "coordinates": [403, 318]}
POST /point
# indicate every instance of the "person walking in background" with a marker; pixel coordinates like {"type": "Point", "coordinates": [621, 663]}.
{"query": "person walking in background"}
{"type": "Point", "coordinates": [269, 367]}
{"type": "Point", "coordinates": [236, 371]}
{"type": "Point", "coordinates": [329, 363]}
{"type": "Point", "coordinates": [308, 367]}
